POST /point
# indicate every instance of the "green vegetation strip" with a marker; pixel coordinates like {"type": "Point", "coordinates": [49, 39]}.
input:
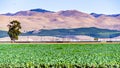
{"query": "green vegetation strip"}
{"type": "Point", "coordinates": [60, 55]}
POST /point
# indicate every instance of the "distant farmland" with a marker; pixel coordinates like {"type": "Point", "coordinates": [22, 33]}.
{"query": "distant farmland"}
{"type": "Point", "coordinates": [60, 55]}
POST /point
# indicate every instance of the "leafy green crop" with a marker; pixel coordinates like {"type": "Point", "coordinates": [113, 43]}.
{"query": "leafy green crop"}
{"type": "Point", "coordinates": [60, 55]}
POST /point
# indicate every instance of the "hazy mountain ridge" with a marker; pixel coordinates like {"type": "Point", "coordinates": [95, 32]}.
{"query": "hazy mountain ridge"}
{"type": "Point", "coordinates": [98, 33]}
{"type": "Point", "coordinates": [40, 10]}
{"type": "Point", "coordinates": [71, 33]}
{"type": "Point", "coordinates": [45, 19]}
{"type": "Point", "coordinates": [98, 15]}
{"type": "Point", "coordinates": [64, 13]}
{"type": "Point", "coordinates": [28, 12]}
{"type": "Point", "coordinates": [3, 34]}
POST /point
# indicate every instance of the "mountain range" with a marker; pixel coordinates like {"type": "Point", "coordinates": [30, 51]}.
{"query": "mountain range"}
{"type": "Point", "coordinates": [45, 19]}
{"type": "Point", "coordinates": [62, 33]}
{"type": "Point", "coordinates": [41, 19]}
{"type": "Point", "coordinates": [24, 13]}
{"type": "Point", "coordinates": [28, 13]}
{"type": "Point", "coordinates": [98, 33]}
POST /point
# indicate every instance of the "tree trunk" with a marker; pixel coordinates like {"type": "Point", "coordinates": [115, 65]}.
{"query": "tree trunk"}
{"type": "Point", "coordinates": [13, 41]}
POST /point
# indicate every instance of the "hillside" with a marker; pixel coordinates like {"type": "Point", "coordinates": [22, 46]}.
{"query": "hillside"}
{"type": "Point", "coordinates": [3, 34]}
{"type": "Point", "coordinates": [36, 19]}
{"type": "Point", "coordinates": [70, 33]}
{"type": "Point", "coordinates": [92, 32]}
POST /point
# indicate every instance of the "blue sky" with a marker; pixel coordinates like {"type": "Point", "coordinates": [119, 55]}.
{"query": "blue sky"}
{"type": "Point", "coordinates": [87, 6]}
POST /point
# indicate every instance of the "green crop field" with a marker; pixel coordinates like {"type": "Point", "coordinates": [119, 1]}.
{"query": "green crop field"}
{"type": "Point", "coordinates": [60, 55]}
